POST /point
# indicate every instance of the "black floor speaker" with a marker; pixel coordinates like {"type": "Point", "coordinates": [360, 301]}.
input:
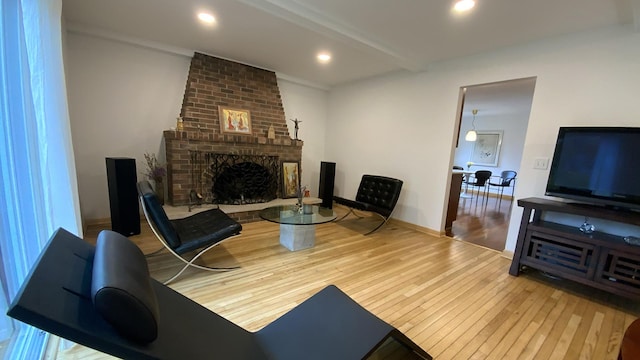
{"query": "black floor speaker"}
{"type": "Point", "coordinates": [123, 196]}
{"type": "Point", "coordinates": [327, 180]}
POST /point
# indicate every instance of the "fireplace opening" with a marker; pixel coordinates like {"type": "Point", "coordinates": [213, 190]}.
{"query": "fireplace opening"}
{"type": "Point", "coordinates": [233, 179]}
{"type": "Point", "coordinates": [244, 183]}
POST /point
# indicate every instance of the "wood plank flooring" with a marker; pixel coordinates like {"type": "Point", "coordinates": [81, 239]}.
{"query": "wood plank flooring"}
{"type": "Point", "coordinates": [454, 299]}
{"type": "Point", "coordinates": [483, 223]}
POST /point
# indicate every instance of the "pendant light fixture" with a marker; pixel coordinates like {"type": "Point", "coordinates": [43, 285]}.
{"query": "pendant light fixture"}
{"type": "Point", "coordinates": [472, 135]}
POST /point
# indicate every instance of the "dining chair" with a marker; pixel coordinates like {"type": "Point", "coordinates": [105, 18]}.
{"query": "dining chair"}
{"type": "Point", "coordinates": [480, 181]}
{"type": "Point", "coordinates": [507, 177]}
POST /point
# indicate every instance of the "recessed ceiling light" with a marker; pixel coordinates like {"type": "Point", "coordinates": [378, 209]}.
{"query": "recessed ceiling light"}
{"type": "Point", "coordinates": [206, 18]}
{"type": "Point", "coordinates": [464, 5]}
{"type": "Point", "coordinates": [324, 58]}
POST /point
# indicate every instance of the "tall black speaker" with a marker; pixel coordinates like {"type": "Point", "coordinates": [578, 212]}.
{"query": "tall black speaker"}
{"type": "Point", "coordinates": [123, 196]}
{"type": "Point", "coordinates": [327, 180]}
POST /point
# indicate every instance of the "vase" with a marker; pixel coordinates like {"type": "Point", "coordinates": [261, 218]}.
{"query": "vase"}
{"type": "Point", "coordinates": [159, 190]}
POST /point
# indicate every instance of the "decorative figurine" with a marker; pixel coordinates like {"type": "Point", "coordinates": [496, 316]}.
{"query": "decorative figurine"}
{"type": "Point", "coordinates": [586, 227]}
{"type": "Point", "coordinates": [179, 124]}
{"type": "Point", "coordinates": [300, 193]}
{"type": "Point", "coordinates": [296, 121]}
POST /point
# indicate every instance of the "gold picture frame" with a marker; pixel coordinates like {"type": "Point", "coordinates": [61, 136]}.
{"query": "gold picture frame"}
{"type": "Point", "coordinates": [234, 121]}
{"type": "Point", "coordinates": [290, 179]}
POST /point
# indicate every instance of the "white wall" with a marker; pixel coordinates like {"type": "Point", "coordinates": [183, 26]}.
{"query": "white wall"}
{"type": "Point", "coordinates": [122, 96]}
{"type": "Point", "coordinates": [403, 125]}
{"type": "Point", "coordinates": [394, 126]}
{"type": "Point", "coordinates": [308, 105]}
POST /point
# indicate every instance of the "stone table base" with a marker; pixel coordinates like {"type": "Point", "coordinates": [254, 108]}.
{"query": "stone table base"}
{"type": "Point", "coordinates": [297, 237]}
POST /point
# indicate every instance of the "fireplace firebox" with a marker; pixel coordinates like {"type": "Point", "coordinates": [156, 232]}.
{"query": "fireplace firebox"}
{"type": "Point", "coordinates": [235, 179]}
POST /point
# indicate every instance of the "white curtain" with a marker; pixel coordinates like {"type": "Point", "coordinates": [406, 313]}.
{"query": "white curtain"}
{"type": "Point", "coordinates": [38, 187]}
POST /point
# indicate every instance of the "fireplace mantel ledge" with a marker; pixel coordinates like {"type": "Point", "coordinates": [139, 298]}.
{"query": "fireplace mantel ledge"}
{"type": "Point", "coordinates": [173, 135]}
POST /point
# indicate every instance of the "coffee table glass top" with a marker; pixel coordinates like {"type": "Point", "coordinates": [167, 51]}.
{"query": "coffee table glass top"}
{"type": "Point", "coordinates": [290, 215]}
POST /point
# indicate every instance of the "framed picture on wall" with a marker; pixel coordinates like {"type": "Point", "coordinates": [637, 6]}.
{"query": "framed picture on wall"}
{"type": "Point", "coordinates": [486, 149]}
{"type": "Point", "coordinates": [290, 179]}
{"type": "Point", "coordinates": [234, 121]}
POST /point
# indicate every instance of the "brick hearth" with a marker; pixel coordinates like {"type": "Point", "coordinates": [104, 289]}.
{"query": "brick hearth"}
{"type": "Point", "coordinates": [214, 82]}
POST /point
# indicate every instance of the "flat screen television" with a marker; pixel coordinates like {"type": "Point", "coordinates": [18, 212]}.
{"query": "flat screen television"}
{"type": "Point", "coordinates": [597, 165]}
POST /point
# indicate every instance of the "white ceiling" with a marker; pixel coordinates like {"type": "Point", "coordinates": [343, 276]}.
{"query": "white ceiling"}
{"type": "Point", "coordinates": [366, 37]}
{"type": "Point", "coordinates": [512, 97]}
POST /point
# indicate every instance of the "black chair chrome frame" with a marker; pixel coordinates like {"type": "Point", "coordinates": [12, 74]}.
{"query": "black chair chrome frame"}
{"type": "Point", "coordinates": [199, 232]}
{"type": "Point", "coordinates": [376, 194]}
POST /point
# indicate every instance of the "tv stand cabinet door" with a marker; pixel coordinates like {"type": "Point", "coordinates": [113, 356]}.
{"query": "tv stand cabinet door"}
{"type": "Point", "coordinates": [619, 271]}
{"type": "Point", "coordinates": [561, 256]}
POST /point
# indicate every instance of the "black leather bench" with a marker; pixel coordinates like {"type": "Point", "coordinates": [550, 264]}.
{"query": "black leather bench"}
{"type": "Point", "coordinates": [103, 297]}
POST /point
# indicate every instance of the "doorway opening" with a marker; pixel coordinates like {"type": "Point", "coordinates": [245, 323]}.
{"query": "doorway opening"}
{"type": "Point", "coordinates": [499, 114]}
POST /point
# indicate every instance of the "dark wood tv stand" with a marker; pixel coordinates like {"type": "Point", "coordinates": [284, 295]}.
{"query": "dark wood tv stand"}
{"type": "Point", "coordinates": [598, 259]}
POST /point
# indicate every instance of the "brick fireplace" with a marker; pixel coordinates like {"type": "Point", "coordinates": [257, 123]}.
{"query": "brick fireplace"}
{"type": "Point", "coordinates": [214, 82]}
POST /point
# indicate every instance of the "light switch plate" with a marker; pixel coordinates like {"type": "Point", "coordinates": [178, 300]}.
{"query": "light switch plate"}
{"type": "Point", "coordinates": [541, 163]}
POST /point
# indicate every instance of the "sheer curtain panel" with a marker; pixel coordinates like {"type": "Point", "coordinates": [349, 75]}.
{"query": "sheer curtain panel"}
{"type": "Point", "coordinates": [38, 187]}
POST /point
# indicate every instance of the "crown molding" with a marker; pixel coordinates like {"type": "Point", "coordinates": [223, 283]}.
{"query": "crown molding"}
{"type": "Point", "coordinates": [302, 82]}
{"type": "Point", "coordinates": [75, 28]}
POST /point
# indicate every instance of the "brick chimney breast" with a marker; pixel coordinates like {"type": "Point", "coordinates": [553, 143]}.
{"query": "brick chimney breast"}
{"type": "Point", "coordinates": [214, 82]}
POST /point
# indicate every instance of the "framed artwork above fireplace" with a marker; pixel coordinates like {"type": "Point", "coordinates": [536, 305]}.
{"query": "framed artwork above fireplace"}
{"type": "Point", "coordinates": [290, 179]}
{"type": "Point", "coordinates": [234, 121]}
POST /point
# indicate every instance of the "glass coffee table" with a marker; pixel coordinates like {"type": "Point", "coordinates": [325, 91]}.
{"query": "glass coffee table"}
{"type": "Point", "coordinates": [298, 228]}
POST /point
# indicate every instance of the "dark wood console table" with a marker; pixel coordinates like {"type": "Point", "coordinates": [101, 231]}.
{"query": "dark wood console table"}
{"type": "Point", "coordinates": [598, 259]}
{"type": "Point", "coordinates": [454, 199]}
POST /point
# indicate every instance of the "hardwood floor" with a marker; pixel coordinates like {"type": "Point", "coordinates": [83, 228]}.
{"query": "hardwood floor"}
{"type": "Point", "coordinates": [483, 223]}
{"type": "Point", "coordinates": [454, 299]}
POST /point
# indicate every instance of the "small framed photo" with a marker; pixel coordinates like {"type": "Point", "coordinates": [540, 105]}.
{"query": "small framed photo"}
{"type": "Point", "coordinates": [234, 121]}
{"type": "Point", "coordinates": [290, 179]}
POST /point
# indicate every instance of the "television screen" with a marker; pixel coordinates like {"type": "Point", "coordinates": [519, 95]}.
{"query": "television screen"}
{"type": "Point", "coordinates": [599, 165]}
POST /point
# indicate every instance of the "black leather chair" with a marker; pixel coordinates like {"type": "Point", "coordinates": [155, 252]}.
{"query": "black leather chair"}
{"type": "Point", "coordinates": [103, 297]}
{"type": "Point", "coordinates": [480, 181]}
{"type": "Point", "coordinates": [197, 233]}
{"type": "Point", "coordinates": [507, 177]}
{"type": "Point", "coordinates": [377, 194]}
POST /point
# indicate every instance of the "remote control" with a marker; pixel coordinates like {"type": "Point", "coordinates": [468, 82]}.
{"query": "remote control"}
{"type": "Point", "coordinates": [632, 240]}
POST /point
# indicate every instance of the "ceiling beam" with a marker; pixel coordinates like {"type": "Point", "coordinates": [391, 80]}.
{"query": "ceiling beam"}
{"type": "Point", "coordinates": [321, 23]}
